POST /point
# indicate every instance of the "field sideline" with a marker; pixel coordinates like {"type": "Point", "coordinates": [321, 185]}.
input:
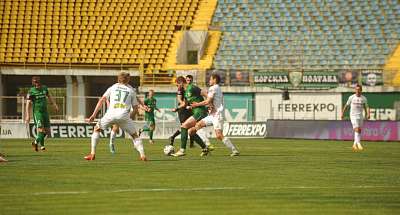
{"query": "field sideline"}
{"type": "Point", "coordinates": [270, 177]}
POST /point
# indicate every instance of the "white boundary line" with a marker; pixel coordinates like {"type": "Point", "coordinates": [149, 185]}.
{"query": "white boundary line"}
{"type": "Point", "coordinates": [397, 189]}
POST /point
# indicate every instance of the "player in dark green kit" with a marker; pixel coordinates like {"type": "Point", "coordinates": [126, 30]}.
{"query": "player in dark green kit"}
{"type": "Point", "coordinates": [37, 98]}
{"type": "Point", "coordinates": [192, 94]}
{"type": "Point", "coordinates": [151, 103]}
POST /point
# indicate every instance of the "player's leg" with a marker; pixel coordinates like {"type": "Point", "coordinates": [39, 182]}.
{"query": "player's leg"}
{"type": "Point", "coordinates": [101, 125]}
{"type": "Point", "coordinates": [172, 138]}
{"type": "Point", "coordinates": [203, 135]}
{"type": "Point", "coordinates": [190, 122]}
{"type": "Point", "coordinates": [357, 133]}
{"type": "Point", "coordinates": [39, 123]}
{"type": "Point", "coordinates": [113, 134]}
{"type": "Point", "coordinates": [193, 135]}
{"type": "Point", "coordinates": [46, 125]}
{"type": "Point", "coordinates": [152, 128]}
{"type": "Point", "coordinates": [2, 159]}
{"type": "Point", "coordinates": [218, 123]}
{"type": "Point", "coordinates": [129, 127]}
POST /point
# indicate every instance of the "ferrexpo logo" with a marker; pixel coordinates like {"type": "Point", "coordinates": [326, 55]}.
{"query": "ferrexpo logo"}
{"type": "Point", "coordinates": [245, 129]}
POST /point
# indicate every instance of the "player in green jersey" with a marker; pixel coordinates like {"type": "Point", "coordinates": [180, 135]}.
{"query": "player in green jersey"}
{"type": "Point", "coordinates": [151, 105]}
{"type": "Point", "coordinates": [192, 94]}
{"type": "Point", "coordinates": [37, 98]}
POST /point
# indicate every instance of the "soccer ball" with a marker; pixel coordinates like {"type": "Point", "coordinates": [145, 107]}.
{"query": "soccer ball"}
{"type": "Point", "coordinates": [168, 150]}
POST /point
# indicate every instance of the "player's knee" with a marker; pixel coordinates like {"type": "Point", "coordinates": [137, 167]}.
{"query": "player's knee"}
{"type": "Point", "coordinates": [134, 135]}
{"type": "Point", "coordinates": [219, 136]}
{"type": "Point", "coordinates": [96, 128]}
{"type": "Point", "coordinates": [192, 131]}
{"type": "Point", "coordinates": [41, 130]}
{"type": "Point", "coordinates": [358, 130]}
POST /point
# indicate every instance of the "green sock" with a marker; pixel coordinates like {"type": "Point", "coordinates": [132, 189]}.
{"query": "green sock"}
{"type": "Point", "coordinates": [146, 129]}
{"type": "Point", "coordinates": [198, 140]}
{"type": "Point", "coordinates": [151, 134]}
{"type": "Point", "coordinates": [40, 138]}
{"type": "Point", "coordinates": [184, 137]}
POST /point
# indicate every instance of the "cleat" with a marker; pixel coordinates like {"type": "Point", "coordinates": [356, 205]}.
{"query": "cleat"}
{"type": "Point", "coordinates": [360, 148]}
{"type": "Point", "coordinates": [235, 153]}
{"type": "Point", "coordinates": [179, 153]}
{"type": "Point", "coordinates": [143, 158]}
{"type": "Point", "coordinates": [151, 141]}
{"type": "Point", "coordinates": [204, 152]}
{"type": "Point", "coordinates": [112, 148]}
{"type": "Point", "coordinates": [211, 147]}
{"type": "Point", "coordinates": [43, 149]}
{"type": "Point", "coordinates": [90, 157]}
{"type": "Point", "coordinates": [3, 159]}
{"type": "Point", "coordinates": [35, 146]}
{"type": "Point", "coordinates": [355, 149]}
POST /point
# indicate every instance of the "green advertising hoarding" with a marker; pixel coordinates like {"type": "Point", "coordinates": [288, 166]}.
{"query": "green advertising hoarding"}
{"type": "Point", "coordinates": [383, 105]}
{"type": "Point", "coordinates": [296, 80]}
{"type": "Point", "coordinates": [238, 106]}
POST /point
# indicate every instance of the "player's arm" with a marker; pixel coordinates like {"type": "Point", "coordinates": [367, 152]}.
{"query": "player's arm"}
{"type": "Point", "coordinates": [208, 99]}
{"type": "Point", "coordinates": [97, 108]}
{"type": "Point", "coordinates": [52, 101]}
{"type": "Point", "coordinates": [346, 106]}
{"type": "Point", "coordinates": [28, 110]}
{"type": "Point", "coordinates": [367, 110]}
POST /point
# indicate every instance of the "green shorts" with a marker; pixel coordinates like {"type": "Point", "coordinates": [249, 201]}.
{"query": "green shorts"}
{"type": "Point", "coordinates": [199, 113]}
{"type": "Point", "coordinates": [41, 120]}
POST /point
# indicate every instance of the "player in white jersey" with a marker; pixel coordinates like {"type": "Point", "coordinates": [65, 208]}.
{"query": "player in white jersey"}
{"type": "Point", "coordinates": [122, 98]}
{"type": "Point", "coordinates": [215, 118]}
{"type": "Point", "coordinates": [358, 103]}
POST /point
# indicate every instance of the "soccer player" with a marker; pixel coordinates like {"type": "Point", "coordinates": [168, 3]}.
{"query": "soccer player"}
{"type": "Point", "coordinates": [151, 105]}
{"type": "Point", "coordinates": [37, 98]}
{"type": "Point", "coordinates": [215, 99]}
{"type": "Point", "coordinates": [192, 94]}
{"type": "Point", "coordinates": [357, 103]}
{"type": "Point", "coordinates": [122, 98]}
{"type": "Point", "coordinates": [184, 113]}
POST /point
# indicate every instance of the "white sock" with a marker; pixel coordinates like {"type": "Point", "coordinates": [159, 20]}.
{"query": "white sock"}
{"type": "Point", "coordinates": [227, 142]}
{"type": "Point", "coordinates": [137, 143]}
{"type": "Point", "coordinates": [357, 137]}
{"type": "Point", "coordinates": [202, 134]}
{"type": "Point", "coordinates": [112, 137]}
{"type": "Point", "coordinates": [94, 140]}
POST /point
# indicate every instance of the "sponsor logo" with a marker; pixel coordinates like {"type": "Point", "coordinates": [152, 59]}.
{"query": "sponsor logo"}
{"type": "Point", "coordinates": [245, 129]}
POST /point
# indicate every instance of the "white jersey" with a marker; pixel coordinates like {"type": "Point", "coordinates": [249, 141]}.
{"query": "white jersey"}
{"type": "Point", "coordinates": [215, 93]}
{"type": "Point", "coordinates": [357, 105]}
{"type": "Point", "coordinates": [122, 98]}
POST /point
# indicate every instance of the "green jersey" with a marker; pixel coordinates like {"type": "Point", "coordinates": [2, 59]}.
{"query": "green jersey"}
{"type": "Point", "coordinates": [152, 104]}
{"type": "Point", "coordinates": [193, 94]}
{"type": "Point", "coordinates": [39, 99]}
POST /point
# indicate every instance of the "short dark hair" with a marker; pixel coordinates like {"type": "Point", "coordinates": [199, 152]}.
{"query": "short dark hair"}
{"type": "Point", "coordinates": [190, 76]}
{"type": "Point", "coordinates": [180, 80]}
{"type": "Point", "coordinates": [359, 85]}
{"type": "Point", "coordinates": [216, 77]}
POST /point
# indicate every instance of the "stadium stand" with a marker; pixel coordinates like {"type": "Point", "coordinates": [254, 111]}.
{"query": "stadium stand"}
{"type": "Point", "coordinates": [311, 34]}
{"type": "Point", "coordinates": [91, 32]}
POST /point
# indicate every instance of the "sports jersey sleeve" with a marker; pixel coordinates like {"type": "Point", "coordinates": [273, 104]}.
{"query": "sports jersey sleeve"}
{"type": "Point", "coordinates": [211, 92]}
{"type": "Point", "coordinates": [46, 90]}
{"type": "Point", "coordinates": [349, 100]}
{"type": "Point", "coordinates": [107, 94]}
{"type": "Point", "coordinates": [134, 100]}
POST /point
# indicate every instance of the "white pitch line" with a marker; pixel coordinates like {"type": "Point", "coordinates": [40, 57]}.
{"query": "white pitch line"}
{"type": "Point", "coordinates": [202, 189]}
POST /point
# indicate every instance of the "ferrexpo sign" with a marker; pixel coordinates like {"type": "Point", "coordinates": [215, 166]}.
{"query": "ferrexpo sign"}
{"type": "Point", "coordinates": [245, 129]}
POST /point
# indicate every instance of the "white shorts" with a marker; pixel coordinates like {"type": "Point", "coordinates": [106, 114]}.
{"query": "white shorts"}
{"type": "Point", "coordinates": [123, 121]}
{"type": "Point", "coordinates": [357, 122]}
{"type": "Point", "coordinates": [217, 121]}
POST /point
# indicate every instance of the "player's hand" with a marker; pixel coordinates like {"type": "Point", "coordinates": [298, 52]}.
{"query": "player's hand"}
{"type": "Point", "coordinates": [174, 110]}
{"type": "Point", "coordinates": [189, 107]}
{"type": "Point", "coordinates": [194, 104]}
{"type": "Point", "coordinates": [342, 116]}
{"type": "Point", "coordinates": [56, 107]}
{"type": "Point", "coordinates": [90, 119]}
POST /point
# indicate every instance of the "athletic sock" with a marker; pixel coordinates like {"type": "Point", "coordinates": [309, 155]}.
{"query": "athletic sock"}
{"type": "Point", "coordinates": [203, 136]}
{"type": "Point", "coordinates": [184, 137]}
{"type": "Point", "coordinates": [198, 140]}
{"type": "Point", "coordinates": [40, 138]}
{"type": "Point", "coordinates": [357, 137]}
{"type": "Point", "coordinates": [151, 134]}
{"type": "Point", "coordinates": [112, 137]}
{"type": "Point", "coordinates": [172, 138]}
{"type": "Point", "coordinates": [137, 143]}
{"type": "Point", "coordinates": [227, 142]}
{"type": "Point", "coordinates": [94, 140]}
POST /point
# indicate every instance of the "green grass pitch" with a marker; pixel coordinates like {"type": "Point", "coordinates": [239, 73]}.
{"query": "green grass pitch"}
{"type": "Point", "coordinates": [270, 177]}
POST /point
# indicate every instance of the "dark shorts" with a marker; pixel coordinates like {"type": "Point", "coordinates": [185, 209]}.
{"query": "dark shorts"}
{"type": "Point", "coordinates": [184, 115]}
{"type": "Point", "coordinates": [199, 114]}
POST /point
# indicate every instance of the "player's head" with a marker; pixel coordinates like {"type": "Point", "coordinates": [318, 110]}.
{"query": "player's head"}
{"type": "Point", "coordinates": [358, 89]}
{"type": "Point", "coordinates": [214, 79]}
{"type": "Point", "coordinates": [189, 79]}
{"type": "Point", "coordinates": [180, 81]}
{"type": "Point", "coordinates": [123, 78]}
{"type": "Point", "coordinates": [150, 94]}
{"type": "Point", "coordinates": [36, 81]}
